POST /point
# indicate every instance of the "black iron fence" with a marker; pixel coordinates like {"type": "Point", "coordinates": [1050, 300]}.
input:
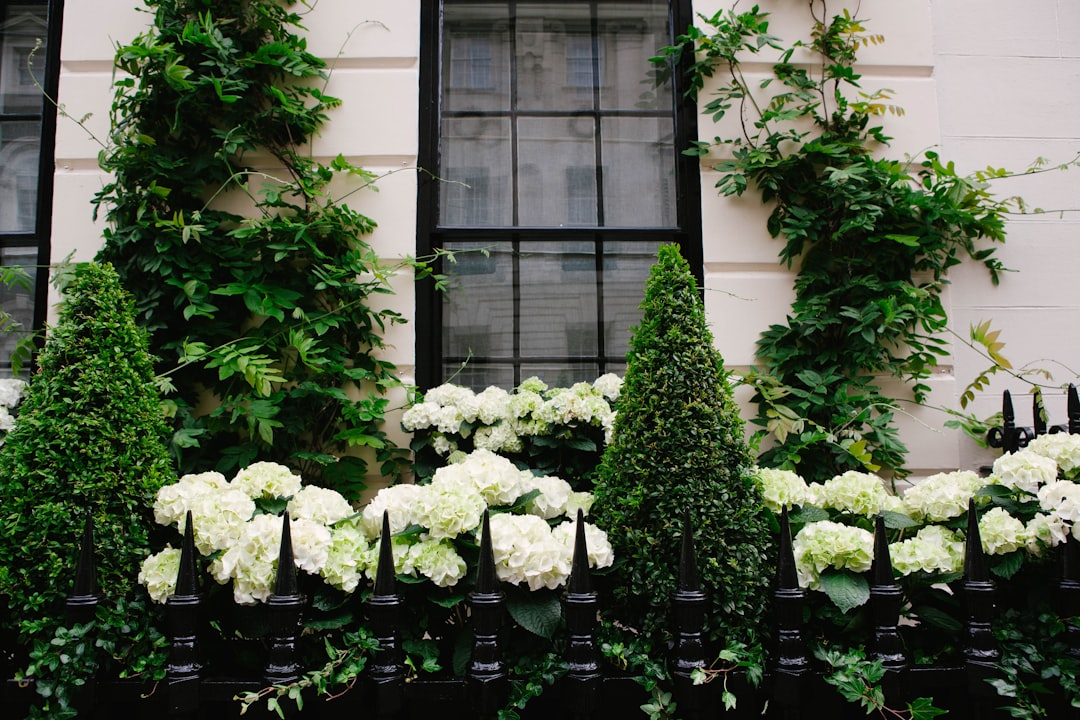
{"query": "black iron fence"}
{"type": "Point", "coordinates": [793, 686]}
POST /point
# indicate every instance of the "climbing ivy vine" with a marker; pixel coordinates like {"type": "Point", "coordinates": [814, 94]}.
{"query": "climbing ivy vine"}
{"type": "Point", "coordinates": [871, 238]}
{"type": "Point", "coordinates": [255, 281]}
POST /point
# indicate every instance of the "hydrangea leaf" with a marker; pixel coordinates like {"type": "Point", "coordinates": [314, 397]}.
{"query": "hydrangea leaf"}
{"type": "Point", "coordinates": [846, 589]}
{"type": "Point", "coordinates": [539, 613]}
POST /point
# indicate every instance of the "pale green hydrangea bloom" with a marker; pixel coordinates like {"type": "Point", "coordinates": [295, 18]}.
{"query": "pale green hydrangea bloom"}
{"type": "Point", "coordinates": [1045, 531]}
{"type": "Point", "coordinates": [599, 550]}
{"type": "Point", "coordinates": [854, 492]}
{"type": "Point", "coordinates": [449, 506]}
{"type": "Point", "coordinates": [1024, 471]}
{"type": "Point", "coordinates": [173, 501]}
{"type": "Point", "coordinates": [1062, 499]}
{"type": "Point", "coordinates": [322, 505]}
{"type": "Point", "coordinates": [942, 496]}
{"type": "Point", "coordinates": [781, 488]}
{"type": "Point", "coordinates": [438, 561]}
{"type": "Point", "coordinates": [345, 557]}
{"type": "Point", "coordinates": [158, 574]}
{"type": "Point", "coordinates": [829, 544]}
{"type": "Point", "coordinates": [397, 500]}
{"type": "Point", "coordinates": [526, 552]}
{"type": "Point", "coordinates": [609, 385]}
{"type": "Point", "coordinates": [553, 497]}
{"type": "Point", "coordinates": [579, 500]}
{"type": "Point", "coordinates": [1001, 533]}
{"type": "Point", "coordinates": [934, 548]}
{"type": "Point", "coordinates": [267, 480]}
{"type": "Point", "coordinates": [1062, 448]}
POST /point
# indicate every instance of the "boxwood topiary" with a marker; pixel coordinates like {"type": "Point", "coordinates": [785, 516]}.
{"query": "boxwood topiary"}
{"type": "Point", "coordinates": [90, 439]}
{"type": "Point", "coordinates": [678, 448]}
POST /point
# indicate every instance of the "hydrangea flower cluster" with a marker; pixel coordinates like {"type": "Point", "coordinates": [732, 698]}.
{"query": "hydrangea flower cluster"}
{"type": "Point", "coordinates": [1043, 509]}
{"type": "Point", "coordinates": [533, 548]}
{"type": "Point", "coordinates": [497, 420]}
{"type": "Point", "coordinates": [244, 540]}
{"type": "Point", "coordinates": [12, 391]}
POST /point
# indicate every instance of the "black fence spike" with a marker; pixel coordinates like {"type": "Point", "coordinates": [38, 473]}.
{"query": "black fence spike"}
{"type": "Point", "coordinates": [1073, 410]}
{"type": "Point", "coordinates": [885, 601]}
{"type": "Point", "coordinates": [184, 618]}
{"type": "Point", "coordinates": [486, 675]}
{"type": "Point", "coordinates": [285, 605]}
{"type": "Point", "coordinates": [787, 574]}
{"type": "Point", "coordinates": [581, 689]}
{"type": "Point", "coordinates": [384, 610]}
{"type": "Point", "coordinates": [82, 604]}
{"type": "Point", "coordinates": [1038, 413]}
{"type": "Point", "coordinates": [792, 655]}
{"type": "Point", "coordinates": [975, 567]}
{"type": "Point", "coordinates": [688, 568]}
{"type": "Point", "coordinates": [981, 652]}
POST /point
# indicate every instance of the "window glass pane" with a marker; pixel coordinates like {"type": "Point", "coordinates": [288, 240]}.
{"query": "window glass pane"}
{"type": "Point", "coordinates": [556, 57]}
{"type": "Point", "coordinates": [477, 185]}
{"type": "Point", "coordinates": [626, 268]}
{"type": "Point", "coordinates": [478, 306]}
{"type": "Point", "coordinates": [548, 148]}
{"type": "Point", "coordinates": [639, 173]}
{"type": "Point", "coordinates": [558, 301]}
{"type": "Point", "coordinates": [478, 375]}
{"type": "Point", "coordinates": [22, 62]}
{"type": "Point", "coordinates": [561, 375]}
{"type": "Point", "coordinates": [476, 57]}
{"type": "Point", "coordinates": [18, 299]}
{"type": "Point", "coordinates": [629, 34]}
{"type": "Point", "coordinates": [20, 150]}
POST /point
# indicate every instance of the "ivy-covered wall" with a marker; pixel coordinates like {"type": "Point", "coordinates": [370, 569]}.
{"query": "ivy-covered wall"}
{"type": "Point", "coordinates": [992, 82]}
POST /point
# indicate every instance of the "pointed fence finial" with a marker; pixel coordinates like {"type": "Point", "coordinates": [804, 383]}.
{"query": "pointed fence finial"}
{"type": "Point", "coordinates": [885, 600]}
{"type": "Point", "coordinates": [384, 572]}
{"type": "Point", "coordinates": [787, 575]}
{"type": "Point", "coordinates": [688, 569]}
{"type": "Point", "coordinates": [580, 579]}
{"type": "Point", "coordinates": [1073, 410]}
{"type": "Point", "coordinates": [187, 579]}
{"type": "Point", "coordinates": [487, 677]}
{"type": "Point", "coordinates": [283, 663]}
{"type": "Point", "coordinates": [384, 607]}
{"type": "Point", "coordinates": [975, 567]}
{"type": "Point", "coordinates": [486, 580]}
{"type": "Point", "coordinates": [1038, 412]}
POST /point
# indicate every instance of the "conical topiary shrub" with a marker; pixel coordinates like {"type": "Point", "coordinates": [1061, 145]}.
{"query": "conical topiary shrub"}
{"type": "Point", "coordinates": [678, 449]}
{"type": "Point", "coordinates": [90, 440]}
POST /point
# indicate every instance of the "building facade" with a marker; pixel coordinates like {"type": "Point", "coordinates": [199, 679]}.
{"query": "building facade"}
{"type": "Point", "coordinates": [559, 171]}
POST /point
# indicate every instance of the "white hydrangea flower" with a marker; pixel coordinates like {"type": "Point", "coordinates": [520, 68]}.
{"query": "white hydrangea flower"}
{"type": "Point", "coordinates": [322, 505]}
{"type": "Point", "coordinates": [1001, 533]}
{"type": "Point", "coordinates": [608, 385]}
{"type": "Point", "coordinates": [496, 478]}
{"type": "Point", "coordinates": [854, 492]}
{"type": "Point", "coordinates": [526, 552]}
{"type": "Point", "coordinates": [934, 548]}
{"type": "Point", "coordinates": [492, 405]}
{"type": "Point", "coordinates": [553, 497]}
{"type": "Point", "coordinates": [420, 416]}
{"type": "Point", "coordinates": [1024, 471]}
{"type": "Point", "coordinates": [600, 552]}
{"type": "Point", "coordinates": [532, 384]}
{"type": "Point", "coordinates": [267, 480]}
{"type": "Point", "coordinates": [443, 445]}
{"type": "Point", "coordinates": [311, 544]}
{"type": "Point", "coordinates": [498, 438]}
{"type": "Point", "coordinates": [826, 544]}
{"type": "Point", "coordinates": [12, 391]}
{"type": "Point", "coordinates": [942, 496]}
{"type": "Point", "coordinates": [524, 403]}
{"type": "Point", "coordinates": [399, 501]}
{"type": "Point", "coordinates": [7, 420]}
{"type": "Point", "coordinates": [252, 562]}
{"type": "Point", "coordinates": [158, 574]}
{"type": "Point", "coordinates": [449, 506]}
{"type": "Point", "coordinates": [579, 500]}
{"type": "Point", "coordinates": [1046, 531]}
{"type": "Point", "coordinates": [438, 561]}
{"type": "Point", "coordinates": [449, 394]}
{"type": "Point", "coordinates": [1062, 448]}
{"type": "Point", "coordinates": [344, 564]}
{"type": "Point", "coordinates": [781, 488]}
{"type": "Point", "coordinates": [219, 518]}
{"type": "Point", "coordinates": [1062, 499]}
{"type": "Point", "coordinates": [400, 550]}
{"type": "Point", "coordinates": [173, 501]}
{"type": "Point", "coordinates": [449, 418]}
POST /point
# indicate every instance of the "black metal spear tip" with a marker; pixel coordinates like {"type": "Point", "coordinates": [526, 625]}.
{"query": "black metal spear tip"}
{"type": "Point", "coordinates": [882, 570]}
{"type": "Point", "coordinates": [1038, 411]}
{"type": "Point", "coordinates": [187, 579]}
{"type": "Point", "coordinates": [86, 568]}
{"type": "Point", "coordinates": [487, 581]}
{"type": "Point", "coordinates": [285, 584]}
{"type": "Point", "coordinates": [1007, 413]}
{"type": "Point", "coordinates": [1070, 560]}
{"type": "Point", "coordinates": [384, 572]}
{"type": "Point", "coordinates": [975, 567]}
{"type": "Point", "coordinates": [580, 579]}
{"type": "Point", "coordinates": [689, 579]}
{"type": "Point", "coordinates": [787, 575]}
{"type": "Point", "coordinates": [1074, 410]}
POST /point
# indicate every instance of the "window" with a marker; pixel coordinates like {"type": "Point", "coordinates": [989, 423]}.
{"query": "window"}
{"type": "Point", "coordinates": [28, 72]}
{"type": "Point", "coordinates": [555, 174]}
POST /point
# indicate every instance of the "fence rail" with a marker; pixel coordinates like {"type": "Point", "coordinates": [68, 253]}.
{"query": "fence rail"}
{"type": "Point", "coordinates": [793, 687]}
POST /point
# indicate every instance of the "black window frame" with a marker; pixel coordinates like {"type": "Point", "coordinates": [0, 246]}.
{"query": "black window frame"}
{"type": "Point", "coordinates": [40, 237]}
{"type": "Point", "coordinates": [687, 232]}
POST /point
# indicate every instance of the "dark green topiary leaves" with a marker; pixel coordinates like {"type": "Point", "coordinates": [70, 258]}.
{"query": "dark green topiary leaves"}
{"type": "Point", "coordinates": [90, 439]}
{"type": "Point", "coordinates": [678, 448]}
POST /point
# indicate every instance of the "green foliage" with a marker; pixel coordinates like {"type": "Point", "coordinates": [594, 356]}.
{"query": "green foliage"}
{"type": "Point", "coordinates": [678, 451]}
{"type": "Point", "coordinates": [1035, 666]}
{"type": "Point", "coordinates": [90, 440]}
{"type": "Point", "coordinates": [857, 679]}
{"type": "Point", "coordinates": [267, 323]}
{"type": "Point", "coordinates": [872, 238]}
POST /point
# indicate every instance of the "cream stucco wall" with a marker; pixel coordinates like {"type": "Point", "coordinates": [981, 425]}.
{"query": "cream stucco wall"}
{"type": "Point", "coordinates": [988, 82]}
